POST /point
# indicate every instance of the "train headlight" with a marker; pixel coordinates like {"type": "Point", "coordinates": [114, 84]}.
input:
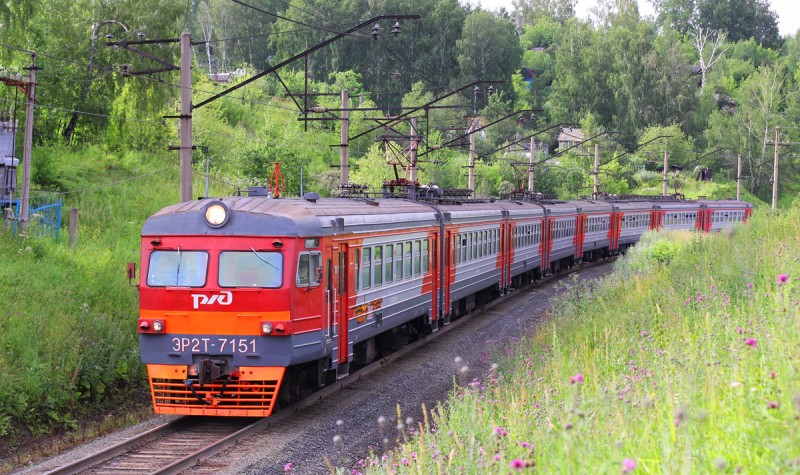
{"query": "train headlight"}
{"type": "Point", "coordinates": [158, 326]}
{"type": "Point", "coordinates": [266, 328]}
{"type": "Point", "coordinates": [216, 214]}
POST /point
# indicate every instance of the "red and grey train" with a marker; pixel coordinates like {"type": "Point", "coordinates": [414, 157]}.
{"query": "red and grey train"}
{"type": "Point", "coordinates": [246, 299]}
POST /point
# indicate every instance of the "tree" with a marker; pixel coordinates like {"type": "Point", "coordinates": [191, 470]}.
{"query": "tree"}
{"type": "Point", "coordinates": [488, 49]}
{"type": "Point", "coordinates": [739, 19]}
{"type": "Point", "coordinates": [533, 11]}
{"type": "Point", "coordinates": [708, 53]}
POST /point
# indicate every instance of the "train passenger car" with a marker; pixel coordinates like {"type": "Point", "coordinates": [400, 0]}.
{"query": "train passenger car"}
{"type": "Point", "coordinates": [244, 301]}
{"type": "Point", "coordinates": [634, 219]}
{"type": "Point", "coordinates": [596, 229]}
{"type": "Point", "coordinates": [718, 215]}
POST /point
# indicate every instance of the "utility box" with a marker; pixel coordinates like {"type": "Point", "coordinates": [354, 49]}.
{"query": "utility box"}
{"type": "Point", "coordinates": [8, 177]}
{"type": "Point", "coordinates": [8, 164]}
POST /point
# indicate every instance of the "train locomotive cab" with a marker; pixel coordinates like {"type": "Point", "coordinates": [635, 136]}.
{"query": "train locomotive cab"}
{"type": "Point", "coordinates": [224, 314]}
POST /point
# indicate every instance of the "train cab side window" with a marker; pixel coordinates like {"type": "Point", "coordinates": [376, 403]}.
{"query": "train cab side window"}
{"type": "Point", "coordinates": [309, 267]}
{"type": "Point", "coordinates": [177, 269]}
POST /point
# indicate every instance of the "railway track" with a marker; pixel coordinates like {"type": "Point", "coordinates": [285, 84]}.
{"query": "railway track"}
{"type": "Point", "coordinates": [173, 447]}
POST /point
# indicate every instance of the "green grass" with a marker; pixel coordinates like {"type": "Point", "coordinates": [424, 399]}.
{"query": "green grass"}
{"type": "Point", "coordinates": [684, 361]}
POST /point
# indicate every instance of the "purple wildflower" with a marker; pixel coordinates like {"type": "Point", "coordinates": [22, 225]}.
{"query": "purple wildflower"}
{"type": "Point", "coordinates": [517, 465]}
{"type": "Point", "coordinates": [287, 467]}
{"type": "Point", "coordinates": [773, 405]}
{"type": "Point", "coordinates": [750, 342]}
{"type": "Point", "coordinates": [578, 378]}
{"type": "Point", "coordinates": [782, 279]}
{"type": "Point", "coordinates": [628, 465]}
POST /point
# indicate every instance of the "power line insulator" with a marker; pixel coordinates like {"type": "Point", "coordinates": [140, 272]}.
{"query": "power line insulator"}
{"type": "Point", "coordinates": [396, 29]}
{"type": "Point", "coordinates": [376, 31]}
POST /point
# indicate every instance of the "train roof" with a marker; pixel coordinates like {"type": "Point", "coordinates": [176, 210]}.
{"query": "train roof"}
{"type": "Point", "coordinates": [298, 217]}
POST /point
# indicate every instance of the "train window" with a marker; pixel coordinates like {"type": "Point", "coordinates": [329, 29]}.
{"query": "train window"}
{"type": "Point", "coordinates": [358, 266]}
{"type": "Point", "coordinates": [366, 268]}
{"type": "Point", "coordinates": [177, 269]}
{"type": "Point", "coordinates": [388, 273]}
{"type": "Point", "coordinates": [398, 261]}
{"type": "Point", "coordinates": [251, 269]}
{"type": "Point", "coordinates": [464, 247]}
{"type": "Point", "coordinates": [485, 242]}
{"type": "Point", "coordinates": [425, 256]}
{"type": "Point", "coordinates": [377, 265]}
{"type": "Point", "coordinates": [417, 258]}
{"type": "Point", "coordinates": [479, 239]}
{"type": "Point", "coordinates": [309, 269]}
{"type": "Point", "coordinates": [407, 261]}
{"type": "Point", "coordinates": [312, 243]}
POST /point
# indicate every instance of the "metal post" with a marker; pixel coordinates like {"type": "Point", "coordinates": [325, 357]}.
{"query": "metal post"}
{"type": "Point", "coordinates": [739, 177]}
{"type": "Point", "coordinates": [666, 168]}
{"type": "Point", "coordinates": [301, 181]}
{"type": "Point", "coordinates": [775, 173]}
{"type": "Point", "coordinates": [412, 191]}
{"type": "Point", "coordinates": [27, 147]}
{"type": "Point", "coordinates": [596, 170]}
{"type": "Point", "coordinates": [531, 161]}
{"type": "Point", "coordinates": [208, 165]}
{"type": "Point", "coordinates": [471, 182]}
{"type": "Point", "coordinates": [186, 117]}
{"type": "Point", "coordinates": [344, 151]}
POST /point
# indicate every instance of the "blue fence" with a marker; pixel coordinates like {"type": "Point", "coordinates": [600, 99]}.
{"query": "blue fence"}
{"type": "Point", "coordinates": [44, 214]}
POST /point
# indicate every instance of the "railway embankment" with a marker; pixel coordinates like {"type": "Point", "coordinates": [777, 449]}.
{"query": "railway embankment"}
{"type": "Point", "coordinates": [685, 360]}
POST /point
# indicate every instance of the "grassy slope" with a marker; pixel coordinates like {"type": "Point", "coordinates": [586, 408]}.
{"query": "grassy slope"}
{"type": "Point", "coordinates": [684, 361]}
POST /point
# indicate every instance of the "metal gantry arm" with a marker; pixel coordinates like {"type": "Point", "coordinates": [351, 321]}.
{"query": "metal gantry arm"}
{"type": "Point", "coordinates": [304, 54]}
{"type": "Point", "coordinates": [399, 118]}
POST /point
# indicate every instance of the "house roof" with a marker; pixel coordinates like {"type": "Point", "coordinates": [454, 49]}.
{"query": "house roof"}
{"type": "Point", "coordinates": [570, 134]}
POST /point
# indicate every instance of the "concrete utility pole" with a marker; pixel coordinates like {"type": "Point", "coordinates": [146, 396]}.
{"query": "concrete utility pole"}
{"type": "Point", "coordinates": [28, 147]}
{"type": "Point", "coordinates": [775, 172]}
{"type": "Point", "coordinates": [344, 150]}
{"type": "Point", "coordinates": [595, 190]}
{"type": "Point", "coordinates": [471, 175]}
{"type": "Point", "coordinates": [531, 160]}
{"type": "Point", "coordinates": [666, 169]}
{"type": "Point", "coordinates": [739, 177]}
{"type": "Point", "coordinates": [186, 117]}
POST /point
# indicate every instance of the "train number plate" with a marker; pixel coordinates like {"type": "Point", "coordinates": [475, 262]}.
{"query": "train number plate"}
{"type": "Point", "coordinates": [215, 345]}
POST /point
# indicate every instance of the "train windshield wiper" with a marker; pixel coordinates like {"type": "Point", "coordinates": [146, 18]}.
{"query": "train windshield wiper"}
{"type": "Point", "coordinates": [178, 267]}
{"type": "Point", "coordinates": [262, 259]}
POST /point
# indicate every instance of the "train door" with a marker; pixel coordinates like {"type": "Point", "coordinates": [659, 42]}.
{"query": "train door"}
{"type": "Point", "coordinates": [580, 235]}
{"type": "Point", "coordinates": [340, 302]}
{"type": "Point", "coordinates": [547, 243]}
{"type": "Point", "coordinates": [616, 219]}
{"type": "Point", "coordinates": [433, 253]}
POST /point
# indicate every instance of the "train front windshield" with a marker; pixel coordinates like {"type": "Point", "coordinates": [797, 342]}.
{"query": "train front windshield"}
{"type": "Point", "coordinates": [177, 269]}
{"type": "Point", "coordinates": [251, 269]}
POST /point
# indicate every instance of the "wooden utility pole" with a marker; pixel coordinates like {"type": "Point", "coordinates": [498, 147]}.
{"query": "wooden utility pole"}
{"type": "Point", "coordinates": [471, 175]}
{"type": "Point", "coordinates": [27, 147]}
{"type": "Point", "coordinates": [775, 172]}
{"type": "Point", "coordinates": [666, 169]}
{"type": "Point", "coordinates": [739, 177]}
{"type": "Point", "coordinates": [595, 189]}
{"type": "Point", "coordinates": [186, 117]}
{"type": "Point", "coordinates": [531, 161]}
{"type": "Point", "coordinates": [344, 150]}
{"type": "Point", "coordinates": [73, 227]}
